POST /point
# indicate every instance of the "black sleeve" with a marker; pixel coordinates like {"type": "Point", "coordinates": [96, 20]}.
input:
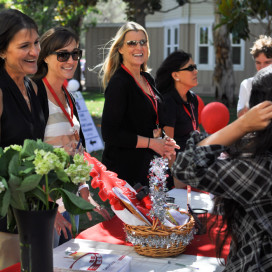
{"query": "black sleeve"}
{"type": "Point", "coordinates": [113, 125]}
{"type": "Point", "coordinates": [42, 96]}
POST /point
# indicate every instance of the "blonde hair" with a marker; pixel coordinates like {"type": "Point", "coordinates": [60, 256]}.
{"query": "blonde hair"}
{"type": "Point", "coordinates": [114, 59]}
{"type": "Point", "coordinates": [262, 45]}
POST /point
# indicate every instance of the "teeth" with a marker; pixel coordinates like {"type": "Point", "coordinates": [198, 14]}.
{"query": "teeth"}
{"type": "Point", "coordinates": [68, 68]}
{"type": "Point", "coordinates": [137, 55]}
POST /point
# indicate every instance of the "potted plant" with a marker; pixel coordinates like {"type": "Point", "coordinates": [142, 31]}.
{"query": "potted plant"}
{"type": "Point", "coordinates": [32, 178]}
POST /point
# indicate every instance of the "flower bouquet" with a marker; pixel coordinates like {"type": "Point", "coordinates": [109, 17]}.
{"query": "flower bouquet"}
{"type": "Point", "coordinates": [36, 173]}
{"type": "Point", "coordinates": [32, 178]}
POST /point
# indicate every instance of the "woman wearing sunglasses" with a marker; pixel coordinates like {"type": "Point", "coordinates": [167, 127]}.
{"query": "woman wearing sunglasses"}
{"type": "Point", "coordinates": [174, 79]}
{"type": "Point", "coordinates": [131, 114]}
{"type": "Point", "coordinates": [57, 62]}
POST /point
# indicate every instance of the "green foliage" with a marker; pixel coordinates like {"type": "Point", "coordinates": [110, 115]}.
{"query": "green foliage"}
{"type": "Point", "coordinates": [50, 13]}
{"type": "Point", "coordinates": [235, 14]}
{"type": "Point", "coordinates": [145, 7]}
{"type": "Point", "coordinates": [71, 12]}
{"type": "Point", "coordinates": [33, 174]}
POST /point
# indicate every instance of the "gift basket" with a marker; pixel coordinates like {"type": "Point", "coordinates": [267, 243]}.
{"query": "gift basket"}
{"type": "Point", "coordinates": [170, 230]}
{"type": "Point", "coordinates": [155, 227]}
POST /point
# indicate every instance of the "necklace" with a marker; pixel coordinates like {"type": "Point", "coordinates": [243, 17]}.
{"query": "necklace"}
{"type": "Point", "coordinates": [69, 117]}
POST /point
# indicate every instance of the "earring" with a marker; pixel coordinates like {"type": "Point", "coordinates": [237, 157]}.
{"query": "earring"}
{"type": "Point", "coordinates": [177, 79]}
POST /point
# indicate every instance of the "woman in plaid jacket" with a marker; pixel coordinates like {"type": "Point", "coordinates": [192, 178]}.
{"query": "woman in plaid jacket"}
{"type": "Point", "coordinates": [235, 164]}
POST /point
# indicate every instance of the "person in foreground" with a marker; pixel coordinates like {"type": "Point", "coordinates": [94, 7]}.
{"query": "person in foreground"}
{"type": "Point", "coordinates": [21, 113]}
{"type": "Point", "coordinates": [241, 181]}
{"type": "Point", "coordinates": [131, 115]}
{"type": "Point", "coordinates": [57, 62]}
{"type": "Point", "coordinates": [174, 79]}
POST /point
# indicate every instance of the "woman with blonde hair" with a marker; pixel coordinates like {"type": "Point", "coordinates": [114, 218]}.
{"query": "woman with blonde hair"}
{"type": "Point", "coordinates": [131, 115]}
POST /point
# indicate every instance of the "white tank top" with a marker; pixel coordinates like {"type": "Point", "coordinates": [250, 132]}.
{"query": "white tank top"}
{"type": "Point", "coordinates": [58, 131]}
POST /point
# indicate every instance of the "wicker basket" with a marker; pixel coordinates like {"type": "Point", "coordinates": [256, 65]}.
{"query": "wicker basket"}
{"type": "Point", "coordinates": [162, 241]}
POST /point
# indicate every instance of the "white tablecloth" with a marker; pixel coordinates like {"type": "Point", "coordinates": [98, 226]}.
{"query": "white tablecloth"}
{"type": "Point", "coordinates": [198, 200]}
{"type": "Point", "coordinates": [182, 263]}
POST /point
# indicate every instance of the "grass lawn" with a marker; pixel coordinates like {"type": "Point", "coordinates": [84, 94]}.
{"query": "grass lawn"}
{"type": "Point", "coordinates": [95, 101]}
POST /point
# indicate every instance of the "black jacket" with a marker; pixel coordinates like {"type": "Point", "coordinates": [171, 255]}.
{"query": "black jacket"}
{"type": "Point", "coordinates": [127, 113]}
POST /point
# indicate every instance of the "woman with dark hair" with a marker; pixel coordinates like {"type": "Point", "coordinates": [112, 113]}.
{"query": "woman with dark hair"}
{"type": "Point", "coordinates": [241, 181]}
{"type": "Point", "coordinates": [57, 62]}
{"type": "Point", "coordinates": [21, 113]}
{"type": "Point", "coordinates": [174, 79]}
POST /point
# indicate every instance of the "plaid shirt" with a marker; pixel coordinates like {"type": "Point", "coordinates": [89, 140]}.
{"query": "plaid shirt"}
{"type": "Point", "coordinates": [246, 180]}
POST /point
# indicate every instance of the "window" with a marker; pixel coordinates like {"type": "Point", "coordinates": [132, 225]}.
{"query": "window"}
{"type": "Point", "coordinates": [205, 58]}
{"type": "Point", "coordinates": [204, 49]}
{"type": "Point", "coordinates": [172, 40]}
{"type": "Point", "coordinates": [238, 52]}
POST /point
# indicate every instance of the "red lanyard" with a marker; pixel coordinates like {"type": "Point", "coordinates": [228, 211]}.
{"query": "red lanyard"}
{"type": "Point", "coordinates": [70, 118]}
{"type": "Point", "coordinates": [153, 101]}
{"type": "Point", "coordinates": [191, 116]}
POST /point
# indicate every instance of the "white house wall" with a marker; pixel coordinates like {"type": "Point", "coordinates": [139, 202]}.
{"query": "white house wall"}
{"type": "Point", "coordinates": [186, 18]}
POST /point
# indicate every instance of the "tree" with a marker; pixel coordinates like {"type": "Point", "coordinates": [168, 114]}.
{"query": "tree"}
{"type": "Point", "coordinates": [233, 16]}
{"type": "Point", "coordinates": [236, 15]}
{"type": "Point", "coordinates": [137, 10]}
{"type": "Point", "coordinates": [223, 76]}
{"type": "Point", "coordinates": [43, 12]}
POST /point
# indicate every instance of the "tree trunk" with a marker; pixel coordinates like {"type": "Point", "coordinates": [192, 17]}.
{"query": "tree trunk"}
{"type": "Point", "coordinates": [223, 75]}
{"type": "Point", "coordinates": [140, 13]}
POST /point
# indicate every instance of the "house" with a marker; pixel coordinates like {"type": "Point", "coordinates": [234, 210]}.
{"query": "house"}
{"type": "Point", "coordinates": [188, 28]}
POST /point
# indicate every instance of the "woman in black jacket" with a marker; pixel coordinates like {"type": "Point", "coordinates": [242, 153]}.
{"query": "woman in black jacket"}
{"type": "Point", "coordinates": [131, 115]}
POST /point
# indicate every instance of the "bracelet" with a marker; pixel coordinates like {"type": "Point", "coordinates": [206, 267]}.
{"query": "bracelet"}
{"type": "Point", "coordinates": [148, 142]}
{"type": "Point", "coordinates": [83, 186]}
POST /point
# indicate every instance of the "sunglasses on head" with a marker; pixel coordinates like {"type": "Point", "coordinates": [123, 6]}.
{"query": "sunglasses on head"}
{"type": "Point", "coordinates": [64, 56]}
{"type": "Point", "coordinates": [190, 68]}
{"type": "Point", "coordinates": [134, 43]}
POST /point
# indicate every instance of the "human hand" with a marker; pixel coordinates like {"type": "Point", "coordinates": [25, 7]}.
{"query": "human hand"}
{"type": "Point", "coordinates": [257, 118]}
{"type": "Point", "coordinates": [61, 224]}
{"type": "Point", "coordinates": [85, 194]}
{"type": "Point", "coordinates": [164, 147]}
{"type": "Point", "coordinates": [242, 111]}
{"type": "Point", "coordinates": [170, 146]}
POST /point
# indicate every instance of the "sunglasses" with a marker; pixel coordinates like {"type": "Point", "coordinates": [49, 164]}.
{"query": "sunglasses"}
{"type": "Point", "coordinates": [134, 43]}
{"type": "Point", "coordinates": [64, 56]}
{"type": "Point", "coordinates": [190, 68]}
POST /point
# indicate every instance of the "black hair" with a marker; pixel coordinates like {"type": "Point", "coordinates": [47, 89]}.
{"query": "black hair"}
{"type": "Point", "coordinates": [52, 40]}
{"type": "Point", "coordinates": [11, 22]}
{"type": "Point", "coordinates": [176, 60]}
{"type": "Point", "coordinates": [262, 91]}
{"type": "Point", "coordinates": [255, 143]}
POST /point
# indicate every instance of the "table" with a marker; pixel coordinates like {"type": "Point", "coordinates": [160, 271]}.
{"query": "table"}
{"type": "Point", "coordinates": [198, 199]}
{"type": "Point", "coordinates": [109, 237]}
{"type": "Point", "coordinates": [181, 263]}
{"type": "Point", "coordinates": [113, 231]}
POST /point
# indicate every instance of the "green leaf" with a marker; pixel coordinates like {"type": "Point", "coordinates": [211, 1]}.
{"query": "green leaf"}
{"type": "Point", "coordinates": [14, 181]}
{"type": "Point", "coordinates": [14, 164]}
{"type": "Point", "coordinates": [5, 203]}
{"type": "Point", "coordinates": [75, 204]}
{"type": "Point", "coordinates": [4, 162]}
{"type": "Point", "coordinates": [29, 183]}
{"type": "Point", "coordinates": [18, 200]}
{"type": "Point", "coordinates": [62, 175]}
{"type": "Point", "coordinates": [30, 146]}
{"type": "Point", "coordinates": [37, 193]}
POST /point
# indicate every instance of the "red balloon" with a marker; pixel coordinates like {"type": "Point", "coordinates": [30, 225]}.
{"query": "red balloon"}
{"type": "Point", "coordinates": [214, 116]}
{"type": "Point", "coordinates": [201, 105]}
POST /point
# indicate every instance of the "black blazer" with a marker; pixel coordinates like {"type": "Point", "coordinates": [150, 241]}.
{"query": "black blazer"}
{"type": "Point", "coordinates": [127, 113]}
